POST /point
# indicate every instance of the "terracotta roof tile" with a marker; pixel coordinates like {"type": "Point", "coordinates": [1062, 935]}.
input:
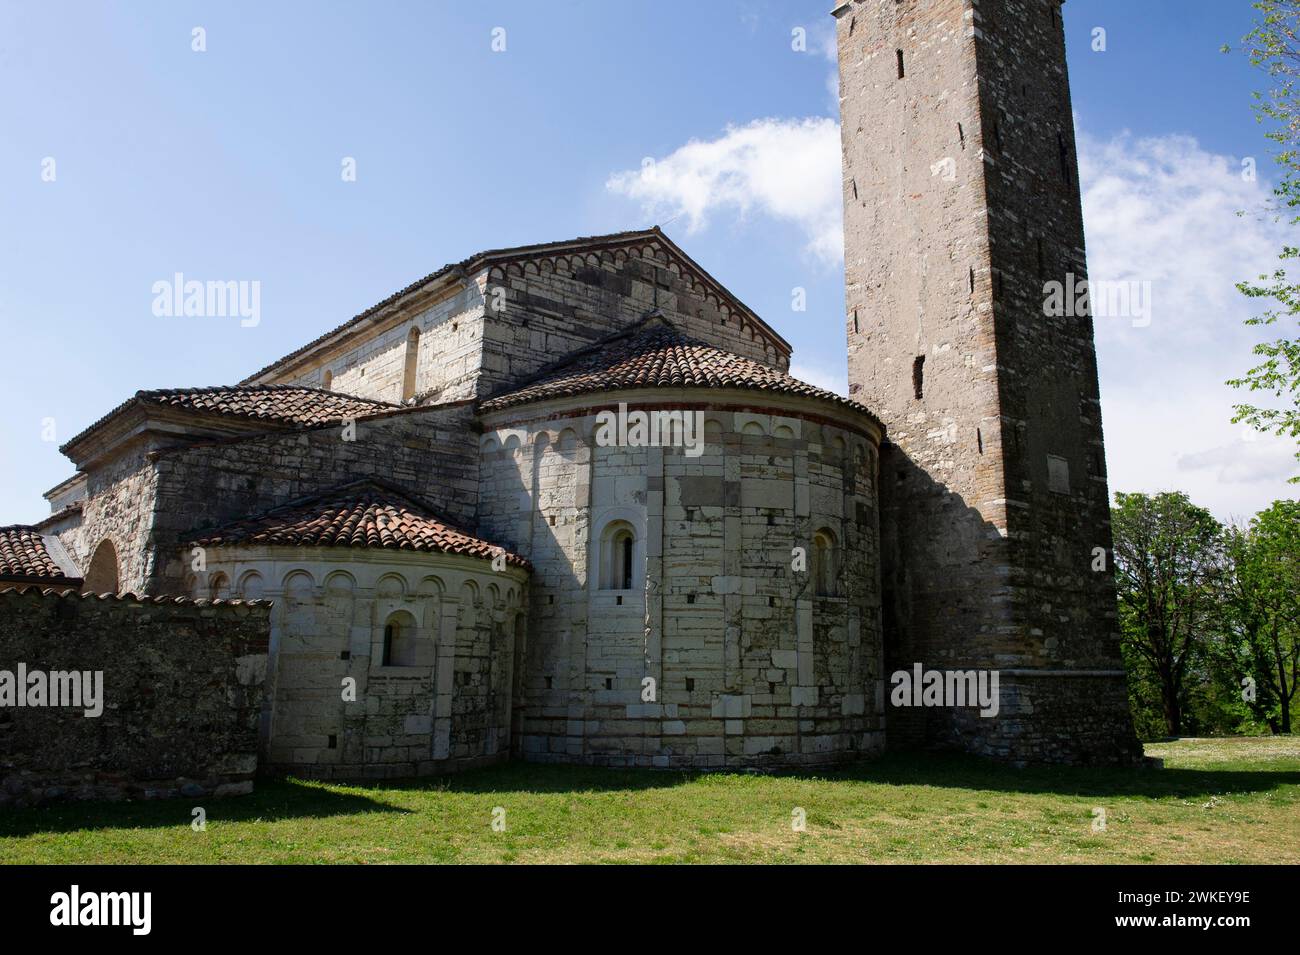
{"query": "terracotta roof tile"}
{"type": "Point", "coordinates": [655, 354]}
{"type": "Point", "coordinates": [366, 514]}
{"type": "Point", "coordinates": [290, 404]}
{"type": "Point", "coordinates": [25, 554]}
{"type": "Point", "coordinates": [277, 404]}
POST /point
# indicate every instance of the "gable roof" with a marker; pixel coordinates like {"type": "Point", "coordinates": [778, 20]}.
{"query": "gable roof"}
{"type": "Point", "coordinates": [481, 260]}
{"type": "Point", "coordinates": [273, 404]}
{"type": "Point", "coordinates": [27, 554]}
{"type": "Point", "coordinates": [654, 353]}
{"type": "Point", "coordinates": [367, 513]}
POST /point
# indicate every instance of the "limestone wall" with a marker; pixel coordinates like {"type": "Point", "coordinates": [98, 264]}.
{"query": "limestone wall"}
{"type": "Point", "coordinates": [512, 319]}
{"type": "Point", "coordinates": [751, 666]}
{"type": "Point", "coordinates": [118, 508]}
{"type": "Point", "coordinates": [429, 451]}
{"type": "Point", "coordinates": [961, 200]}
{"type": "Point", "coordinates": [372, 365]}
{"type": "Point", "coordinates": [444, 706]}
{"type": "Point", "coordinates": [551, 306]}
{"type": "Point", "coordinates": [182, 689]}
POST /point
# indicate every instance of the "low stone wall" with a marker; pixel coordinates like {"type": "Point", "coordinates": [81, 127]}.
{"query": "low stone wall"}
{"type": "Point", "coordinates": [181, 692]}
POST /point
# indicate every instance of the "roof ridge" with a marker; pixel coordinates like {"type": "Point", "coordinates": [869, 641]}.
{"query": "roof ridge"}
{"type": "Point", "coordinates": [281, 387]}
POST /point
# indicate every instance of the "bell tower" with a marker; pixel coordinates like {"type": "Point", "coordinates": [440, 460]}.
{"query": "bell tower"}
{"type": "Point", "coordinates": [961, 204]}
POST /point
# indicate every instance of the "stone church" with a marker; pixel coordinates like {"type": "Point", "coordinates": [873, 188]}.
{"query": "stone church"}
{"type": "Point", "coordinates": [427, 499]}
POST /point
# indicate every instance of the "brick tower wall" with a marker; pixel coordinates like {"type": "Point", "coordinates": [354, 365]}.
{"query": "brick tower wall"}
{"type": "Point", "coordinates": [961, 200]}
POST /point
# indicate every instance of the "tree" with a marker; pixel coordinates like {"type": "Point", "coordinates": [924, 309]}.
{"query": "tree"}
{"type": "Point", "coordinates": [1166, 557]}
{"type": "Point", "coordinates": [1261, 590]}
{"type": "Point", "coordinates": [1273, 47]}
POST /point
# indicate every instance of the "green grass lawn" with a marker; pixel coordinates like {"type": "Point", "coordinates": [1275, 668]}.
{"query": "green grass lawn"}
{"type": "Point", "coordinates": [1223, 800]}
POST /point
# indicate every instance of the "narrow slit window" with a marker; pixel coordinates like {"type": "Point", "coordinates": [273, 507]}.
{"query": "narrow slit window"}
{"type": "Point", "coordinates": [901, 69]}
{"type": "Point", "coordinates": [625, 562]}
{"type": "Point", "coordinates": [961, 136]}
{"type": "Point", "coordinates": [918, 376]}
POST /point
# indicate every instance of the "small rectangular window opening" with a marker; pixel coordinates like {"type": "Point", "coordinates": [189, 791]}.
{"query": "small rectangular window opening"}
{"type": "Point", "coordinates": [901, 71]}
{"type": "Point", "coordinates": [918, 376]}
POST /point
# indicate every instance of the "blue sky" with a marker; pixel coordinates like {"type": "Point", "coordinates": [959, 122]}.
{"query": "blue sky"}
{"type": "Point", "coordinates": [225, 164]}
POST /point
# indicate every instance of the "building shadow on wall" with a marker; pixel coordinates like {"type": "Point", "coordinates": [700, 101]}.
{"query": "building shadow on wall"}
{"type": "Point", "coordinates": [271, 801]}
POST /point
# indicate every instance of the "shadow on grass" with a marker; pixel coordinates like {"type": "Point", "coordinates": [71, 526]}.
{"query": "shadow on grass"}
{"type": "Point", "coordinates": [967, 772]}
{"type": "Point", "coordinates": [944, 770]}
{"type": "Point", "coordinates": [270, 801]}
{"type": "Point", "coordinates": [288, 798]}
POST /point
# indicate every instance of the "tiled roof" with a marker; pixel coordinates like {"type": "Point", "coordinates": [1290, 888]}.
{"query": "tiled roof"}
{"type": "Point", "coordinates": [287, 404]}
{"type": "Point", "coordinates": [35, 593]}
{"type": "Point", "coordinates": [24, 554]}
{"type": "Point", "coordinates": [474, 262]}
{"type": "Point", "coordinates": [655, 354]}
{"type": "Point", "coordinates": [364, 513]}
{"type": "Point", "coordinates": [277, 404]}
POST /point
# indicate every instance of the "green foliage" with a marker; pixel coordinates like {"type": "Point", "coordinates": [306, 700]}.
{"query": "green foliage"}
{"type": "Point", "coordinates": [1273, 47]}
{"type": "Point", "coordinates": [1208, 613]}
{"type": "Point", "coordinates": [1259, 640]}
{"type": "Point", "coordinates": [1166, 555]}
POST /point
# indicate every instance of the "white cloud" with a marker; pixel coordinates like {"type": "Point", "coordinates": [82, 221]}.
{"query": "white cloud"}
{"type": "Point", "coordinates": [786, 169]}
{"type": "Point", "coordinates": [1164, 210]}
{"type": "Point", "coordinates": [1161, 210]}
{"type": "Point", "coordinates": [823, 376]}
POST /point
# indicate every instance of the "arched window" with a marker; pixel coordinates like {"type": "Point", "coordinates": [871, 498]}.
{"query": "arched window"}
{"type": "Point", "coordinates": [618, 556]}
{"type": "Point", "coordinates": [412, 359]}
{"type": "Point", "coordinates": [399, 640]}
{"type": "Point", "coordinates": [327, 380]}
{"type": "Point", "coordinates": [826, 571]}
{"type": "Point", "coordinates": [101, 576]}
{"type": "Point", "coordinates": [219, 587]}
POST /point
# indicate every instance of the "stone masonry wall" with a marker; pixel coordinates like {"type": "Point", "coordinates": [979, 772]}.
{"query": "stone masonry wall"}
{"type": "Point", "coordinates": [118, 507]}
{"type": "Point", "coordinates": [447, 708]}
{"type": "Point", "coordinates": [750, 665]}
{"type": "Point", "coordinates": [960, 199]}
{"type": "Point", "coordinates": [516, 318]}
{"type": "Point", "coordinates": [552, 306]}
{"type": "Point", "coordinates": [182, 688]}
{"type": "Point", "coordinates": [373, 365]}
{"type": "Point", "coordinates": [429, 451]}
